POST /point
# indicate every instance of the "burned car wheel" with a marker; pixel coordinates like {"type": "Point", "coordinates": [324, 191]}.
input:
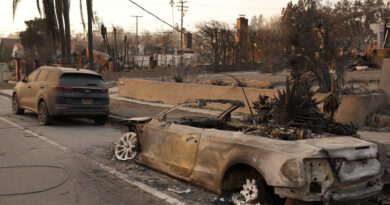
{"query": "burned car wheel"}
{"type": "Point", "coordinates": [127, 146]}
{"type": "Point", "coordinates": [255, 192]}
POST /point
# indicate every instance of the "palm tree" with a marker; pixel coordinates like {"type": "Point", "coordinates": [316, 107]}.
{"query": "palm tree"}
{"type": "Point", "coordinates": [67, 30]}
{"type": "Point", "coordinates": [55, 14]}
{"type": "Point", "coordinates": [59, 10]}
{"type": "Point", "coordinates": [90, 36]}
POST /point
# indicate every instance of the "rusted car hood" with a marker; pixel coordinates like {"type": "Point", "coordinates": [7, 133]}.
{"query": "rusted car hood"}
{"type": "Point", "coordinates": [349, 148]}
{"type": "Point", "coordinates": [269, 155]}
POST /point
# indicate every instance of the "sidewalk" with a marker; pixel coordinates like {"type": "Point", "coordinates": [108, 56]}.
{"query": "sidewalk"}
{"type": "Point", "coordinates": [7, 92]}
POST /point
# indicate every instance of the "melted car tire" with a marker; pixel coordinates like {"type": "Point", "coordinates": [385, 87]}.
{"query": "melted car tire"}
{"type": "Point", "coordinates": [43, 114]}
{"type": "Point", "coordinates": [265, 195]}
{"type": "Point", "coordinates": [15, 106]}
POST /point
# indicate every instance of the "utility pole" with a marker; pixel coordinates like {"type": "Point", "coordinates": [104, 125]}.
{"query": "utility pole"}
{"type": "Point", "coordinates": [182, 9]}
{"type": "Point", "coordinates": [136, 31]}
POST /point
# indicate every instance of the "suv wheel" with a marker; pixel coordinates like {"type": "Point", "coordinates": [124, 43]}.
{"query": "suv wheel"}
{"type": "Point", "coordinates": [100, 120]}
{"type": "Point", "coordinates": [15, 106]}
{"type": "Point", "coordinates": [43, 114]}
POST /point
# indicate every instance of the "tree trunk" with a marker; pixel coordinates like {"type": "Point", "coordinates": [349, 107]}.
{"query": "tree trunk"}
{"type": "Point", "coordinates": [51, 21]}
{"type": "Point", "coordinates": [59, 10]}
{"type": "Point", "coordinates": [90, 36]}
{"type": "Point", "coordinates": [65, 4]}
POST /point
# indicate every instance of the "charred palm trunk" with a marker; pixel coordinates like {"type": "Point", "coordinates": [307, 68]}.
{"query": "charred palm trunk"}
{"type": "Point", "coordinates": [67, 30]}
{"type": "Point", "coordinates": [50, 18]}
{"type": "Point", "coordinates": [116, 46]}
{"type": "Point", "coordinates": [125, 52]}
{"type": "Point", "coordinates": [90, 36]}
{"type": "Point", "coordinates": [60, 13]}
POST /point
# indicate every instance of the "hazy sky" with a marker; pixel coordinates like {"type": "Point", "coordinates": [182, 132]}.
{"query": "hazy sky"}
{"type": "Point", "coordinates": [119, 12]}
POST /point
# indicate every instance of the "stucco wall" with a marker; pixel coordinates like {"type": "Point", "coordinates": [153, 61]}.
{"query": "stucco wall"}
{"type": "Point", "coordinates": [352, 109]}
{"type": "Point", "coordinates": [385, 79]}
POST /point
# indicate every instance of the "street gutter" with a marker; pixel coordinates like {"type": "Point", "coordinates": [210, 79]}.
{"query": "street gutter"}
{"type": "Point", "coordinates": [6, 93]}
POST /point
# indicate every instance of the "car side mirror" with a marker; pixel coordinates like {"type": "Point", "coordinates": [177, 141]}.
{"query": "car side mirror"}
{"type": "Point", "coordinates": [24, 80]}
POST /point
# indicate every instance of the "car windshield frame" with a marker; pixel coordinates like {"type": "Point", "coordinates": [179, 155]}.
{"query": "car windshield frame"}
{"type": "Point", "coordinates": [235, 104]}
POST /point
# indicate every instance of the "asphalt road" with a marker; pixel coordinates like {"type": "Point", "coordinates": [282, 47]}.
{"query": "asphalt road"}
{"type": "Point", "coordinates": [64, 164]}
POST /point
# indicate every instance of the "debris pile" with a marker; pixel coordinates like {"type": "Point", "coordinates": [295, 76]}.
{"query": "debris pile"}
{"type": "Point", "coordinates": [294, 113]}
{"type": "Point", "coordinates": [111, 84]}
{"type": "Point", "coordinates": [380, 119]}
{"type": "Point", "coordinates": [179, 191]}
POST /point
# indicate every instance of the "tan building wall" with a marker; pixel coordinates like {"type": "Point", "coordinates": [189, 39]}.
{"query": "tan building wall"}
{"type": "Point", "coordinates": [385, 79]}
{"type": "Point", "coordinates": [352, 109]}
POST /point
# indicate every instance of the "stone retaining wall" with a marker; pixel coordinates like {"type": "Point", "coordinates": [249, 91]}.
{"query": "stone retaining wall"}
{"type": "Point", "coordinates": [353, 109]}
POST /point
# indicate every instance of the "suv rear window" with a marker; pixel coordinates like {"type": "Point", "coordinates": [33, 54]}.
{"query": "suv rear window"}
{"type": "Point", "coordinates": [81, 80]}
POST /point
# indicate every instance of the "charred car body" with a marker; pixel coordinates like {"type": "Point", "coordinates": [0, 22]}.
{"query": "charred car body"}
{"type": "Point", "coordinates": [219, 154]}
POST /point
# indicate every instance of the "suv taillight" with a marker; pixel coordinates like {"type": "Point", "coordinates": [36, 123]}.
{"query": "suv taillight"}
{"type": "Point", "coordinates": [104, 90]}
{"type": "Point", "coordinates": [62, 88]}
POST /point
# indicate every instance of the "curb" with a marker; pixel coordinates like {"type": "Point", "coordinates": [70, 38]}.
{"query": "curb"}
{"type": "Point", "coordinates": [5, 94]}
{"type": "Point", "coordinates": [116, 119]}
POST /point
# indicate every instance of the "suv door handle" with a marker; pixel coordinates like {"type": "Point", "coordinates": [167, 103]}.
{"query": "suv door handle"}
{"type": "Point", "coordinates": [29, 86]}
{"type": "Point", "coordinates": [41, 87]}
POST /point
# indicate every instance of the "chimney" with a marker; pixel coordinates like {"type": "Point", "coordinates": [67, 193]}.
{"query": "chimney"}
{"type": "Point", "coordinates": [188, 40]}
{"type": "Point", "coordinates": [241, 50]}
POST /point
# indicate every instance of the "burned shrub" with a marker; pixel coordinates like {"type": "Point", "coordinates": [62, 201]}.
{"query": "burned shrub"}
{"type": "Point", "coordinates": [331, 103]}
{"type": "Point", "coordinates": [263, 107]}
{"type": "Point", "coordinates": [295, 105]}
{"type": "Point", "coordinates": [178, 78]}
{"type": "Point", "coordinates": [218, 82]}
{"type": "Point", "coordinates": [296, 108]}
{"type": "Point", "coordinates": [181, 72]}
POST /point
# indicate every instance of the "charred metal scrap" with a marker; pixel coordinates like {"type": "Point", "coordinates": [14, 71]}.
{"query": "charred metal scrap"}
{"type": "Point", "coordinates": [204, 102]}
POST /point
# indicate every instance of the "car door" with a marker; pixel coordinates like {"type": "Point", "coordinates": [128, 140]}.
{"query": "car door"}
{"type": "Point", "coordinates": [25, 90]}
{"type": "Point", "coordinates": [172, 148]}
{"type": "Point", "coordinates": [32, 89]}
{"type": "Point", "coordinates": [38, 86]}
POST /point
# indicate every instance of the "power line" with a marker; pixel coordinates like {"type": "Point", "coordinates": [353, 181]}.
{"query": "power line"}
{"type": "Point", "coordinates": [159, 18]}
{"type": "Point", "coordinates": [154, 15]}
{"type": "Point", "coordinates": [145, 33]}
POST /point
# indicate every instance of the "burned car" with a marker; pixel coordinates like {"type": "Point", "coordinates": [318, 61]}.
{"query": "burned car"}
{"type": "Point", "coordinates": [223, 154]}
